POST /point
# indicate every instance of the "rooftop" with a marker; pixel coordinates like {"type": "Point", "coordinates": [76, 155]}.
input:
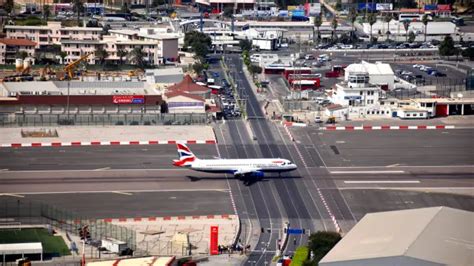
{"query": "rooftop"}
{"type": "Point", "coordinates": [187, 85]}
{"type": "Point", "coordinates": [435, 236]}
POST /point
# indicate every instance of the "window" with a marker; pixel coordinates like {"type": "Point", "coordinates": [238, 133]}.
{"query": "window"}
{"type": "Point", "coordinates": [408, 115]}
{"type": "Point", "coordinates": [429, 104]}
{"type": "Point", "coordinates": [414, 115]}
{"type": "Point", "coordinates": [378, 112]}
{"type": "Point", "coordinates": [361, 93]}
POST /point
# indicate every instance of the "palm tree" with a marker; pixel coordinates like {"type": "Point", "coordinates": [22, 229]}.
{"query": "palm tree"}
{"type": "Point", "coordinates": [372, 18]}
{"type": "Point", "coordinates": [46, 12]}
{"type": "Point", "coordinates": [387, 18]}
{"type": "Point", "coordinates": [406, 25]}
{"type": "Point", "coordinates": [101, 54]}
{"type": "Point", "coordinates": [136, 57]}
{"type": "Point", "coordinates": [121, 54]}
{"type": "Point", "coordinates": [352, 18]}
{"type": "Point", "coordinates": [334, 27]}
{"type": "Point", "coordinates": [78, 7]}
{"type": "Point", "coordinates": [318, 21]}
{"type": "Point", "coordinates": [425, 21]}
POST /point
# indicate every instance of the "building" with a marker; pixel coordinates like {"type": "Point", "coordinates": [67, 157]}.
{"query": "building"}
{"type": "Point", "coordinates": [426, 236]}
{"type": "Point", "coordinates": [380, 74]}
{"type": "Point", "coordinates": [151, 261]}
{"type": "Point", "coordinates": [52, 33]}
{"type": "Point", "coordinates": [435, 30]}
{"type": "Point", "coordinates": [164, 77]}
{"type": "Point", "coordinates": [76, 97]}
{"type": "Point", "coordinates": [188, 86]}
{"type": "Point", "coordinates": [182, 102]}
{"type": "Point", "coordinates": [10, 47]}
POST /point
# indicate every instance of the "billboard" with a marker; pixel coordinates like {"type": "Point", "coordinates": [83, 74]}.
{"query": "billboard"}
{"type": "Point", "coordinates": [214, 240]}
{"type": "Point", "coordinates": [364, 6]}
{"type": "Point", "coordinates": [313, 9]}
{"type": "Point", "coordinates": [128, 99]}
{"type": "Point", "coordinates": [383, 7]}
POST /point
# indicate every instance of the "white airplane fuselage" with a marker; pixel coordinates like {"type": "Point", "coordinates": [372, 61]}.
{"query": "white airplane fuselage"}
{"type": "Point", "coordinates": [233, 166]}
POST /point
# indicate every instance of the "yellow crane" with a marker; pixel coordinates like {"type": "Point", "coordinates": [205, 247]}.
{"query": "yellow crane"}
{"type": "Point", "coordinates": [69, 69]}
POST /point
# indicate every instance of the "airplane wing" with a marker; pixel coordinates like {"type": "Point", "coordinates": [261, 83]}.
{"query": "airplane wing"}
{"type": "Point", "coordinates": [248, 171]}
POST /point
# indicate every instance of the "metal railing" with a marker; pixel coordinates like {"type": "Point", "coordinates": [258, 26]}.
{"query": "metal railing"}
{"type": "Point", "coordinates": [29, 212]}
{"type": "Point", "coordinates": [13, 120]}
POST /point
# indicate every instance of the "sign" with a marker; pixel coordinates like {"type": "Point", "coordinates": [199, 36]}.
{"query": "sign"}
{"type": "Point", "coordinates": [295, 231]}
{"type": "Point", "coordinates": [368, 6]}
{"type": "Point", "coordinates": [214, 240]}
{"type": "Point", "coordinates": [313, 9]}
{"type": "Point", "coordinates": [128, 99]}
{"type": "Point", "coordinates": [352, 97]}
{"type": "Point", "coordinates": [383, 7]}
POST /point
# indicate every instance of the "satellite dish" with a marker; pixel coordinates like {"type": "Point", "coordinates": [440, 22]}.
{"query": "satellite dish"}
{"type": "Point", "coordinates": [460, 95]}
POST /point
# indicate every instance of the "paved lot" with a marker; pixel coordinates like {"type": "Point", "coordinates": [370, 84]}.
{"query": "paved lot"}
{"type": "Point", "coordinates": [363, 201]}
{"type": "Point", "coordinates": [109, 133]}
{"type": "Point", "coordinates": [139, 204]}
{"type": "Point", "coordinates": [383, 148]}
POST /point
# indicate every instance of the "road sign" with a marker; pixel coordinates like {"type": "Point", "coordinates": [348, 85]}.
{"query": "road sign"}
{"type": "Point", "coordinates": [295, 231]}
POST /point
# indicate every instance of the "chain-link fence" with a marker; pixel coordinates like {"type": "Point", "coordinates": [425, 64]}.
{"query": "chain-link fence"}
{"type": "Point", "coordinates": [7, 120]}
{"type": "Point", "coordinates": [19, 211]}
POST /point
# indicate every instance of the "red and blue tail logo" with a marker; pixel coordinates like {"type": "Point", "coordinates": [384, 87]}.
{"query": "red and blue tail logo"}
{"type": "Point", "coordinates": [186, 156]}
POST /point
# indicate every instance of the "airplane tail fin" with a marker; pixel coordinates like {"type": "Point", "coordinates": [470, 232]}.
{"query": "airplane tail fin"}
{"type": "Point", "coordinates": [186, 156]}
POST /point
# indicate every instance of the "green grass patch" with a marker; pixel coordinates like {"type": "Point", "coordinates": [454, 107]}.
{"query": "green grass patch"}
{"type": "Point", "coordinates": [301, 254]}
{"type": "Point", "coordinates": [51, 244]}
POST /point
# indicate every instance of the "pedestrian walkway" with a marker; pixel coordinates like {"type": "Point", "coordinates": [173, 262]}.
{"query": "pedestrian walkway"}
{"type": "Point", "coordinates": [108, 135]}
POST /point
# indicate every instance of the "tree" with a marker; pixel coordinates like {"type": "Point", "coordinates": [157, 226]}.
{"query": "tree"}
{"type": "Point", "coordinates": [78, 8]}
{"type": "Point", "coordinates": [136, 57]}
{"type": "Point", "coordinates": [411, 37]}
{"type": "Point", "coordinates": [425, 21]}
{"type": "Point", "coordinates": [198, 67]}
{"type": "Point", "coordinates": [446, 48]}
{"type": "Point", "coordinates": [101, 54]}
{"type": "Point", "coordinates": [46, 12]}
{"type": "Point", "coordinates": [22, 54]}
{"type": "Point", "coordinates": [372, 19]}
{"type": "Point", "coordinates": [62, 55]}
{"type": "Point", "coordinates": [318, 21]}
{"type": "Point", "coordinates": [387, 18]}
{"type": "Point", "coordinates": [124, 8]}
{"type": "Point", "coordinates": [322, 242]}
{"type": "Point", "coordinates": [121, 54]}
{"type": "Point", "coordinates": [468, 53]}
{"type": "Point", "coordinates": [352, 18]}
{"type": "Point", "coordinates": [228, 11]}
{"type": "Point", "coordinates": [406, 25]}
{"type": "Point", "coordinates": [338, 5]}
{"type": "Point", "coordinates": [245, 45]}
{"type": "Point", "coordinates": [198, 42]}
{"type": "Point", "coordinates": [9, 6]}
{"type": "Point", "coordinates": [334, 25]}
{"type": "Point", "coordinates": [254, 69]}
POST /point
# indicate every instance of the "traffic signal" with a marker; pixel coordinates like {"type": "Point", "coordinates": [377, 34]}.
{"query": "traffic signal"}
{"type": "Point", "coordinates": [81, 233]}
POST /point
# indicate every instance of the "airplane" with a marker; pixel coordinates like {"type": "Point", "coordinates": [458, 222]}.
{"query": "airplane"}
{"type": "Point", "coordinates": [240, 168]}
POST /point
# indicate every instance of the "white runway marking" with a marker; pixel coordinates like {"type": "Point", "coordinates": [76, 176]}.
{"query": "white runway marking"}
{"type": "Point", "coordinates": [99, 169]}
{"type": "Point", "coordinates": [368, 172]}
{"type": "Point", "coordinates": [122, 193]}
{"type": "Point", "coordinates": [382, 182]}
{"type": "Point", "coordinates": [102, 169]}
{"type": "Point", "coordinates": [17, 194]}
{"type": "Point", "coordinates": [12, 195]}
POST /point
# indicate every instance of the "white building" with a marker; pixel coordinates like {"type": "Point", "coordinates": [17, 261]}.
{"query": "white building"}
{"type": "Point", "coordinates": [426, 236]}
{"type": "Point", "coordinates": [380, 74]}
{"type": "Point", "coordinates": [435, 29]}
{"type": "Point", "coordinates": [52, 33]}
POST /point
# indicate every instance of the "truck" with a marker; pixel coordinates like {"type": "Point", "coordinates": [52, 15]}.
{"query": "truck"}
{"type": "Point", "coordinates": [265, 44]}
{"type": "Point", "coordinates": [114, 245]}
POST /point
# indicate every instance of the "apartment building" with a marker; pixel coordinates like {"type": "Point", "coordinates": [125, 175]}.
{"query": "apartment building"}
{"type": "Point", "coordinates": [10, 47]}
{"type": "Point", "coordinates": [52, 33]}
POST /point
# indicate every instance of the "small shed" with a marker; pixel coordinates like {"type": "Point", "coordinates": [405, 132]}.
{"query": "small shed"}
{"type": "Point", "coordinates": [21, 248]}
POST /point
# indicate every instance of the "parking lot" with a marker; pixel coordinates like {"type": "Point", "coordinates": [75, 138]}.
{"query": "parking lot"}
{"type": "Point", "coordinates": [225, 95]}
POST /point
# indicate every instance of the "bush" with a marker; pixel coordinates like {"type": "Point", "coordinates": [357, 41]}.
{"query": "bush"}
{"type": "Point", "coordinates": [66, 122]}
{"type": "Point", "coordinates": [147, 123]}
{"type": "Point", "coordinates": [322, 242]}
{"type": "Point", "coordinates": [134, 123]}
{"type": "Point", "coordinates": [119, 123]}
{"type": "Point", "coordinates": [301, 255]}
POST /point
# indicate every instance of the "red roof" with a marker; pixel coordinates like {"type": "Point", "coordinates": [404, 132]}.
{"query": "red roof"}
{"type": "Point", "coordinates": [18, 42]}
{"type": "Point", "coordinates": [213, 109]}
{"type": "Point", "coordinates": [184, 94]}
{"type": "Point", "coordinates": [187, 85]}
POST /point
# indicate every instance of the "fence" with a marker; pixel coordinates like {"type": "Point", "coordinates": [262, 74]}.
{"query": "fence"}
{"type": "Point", "coordinates": [37, 213]}
{"type": "Point", "coordinates": [16, 119]}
